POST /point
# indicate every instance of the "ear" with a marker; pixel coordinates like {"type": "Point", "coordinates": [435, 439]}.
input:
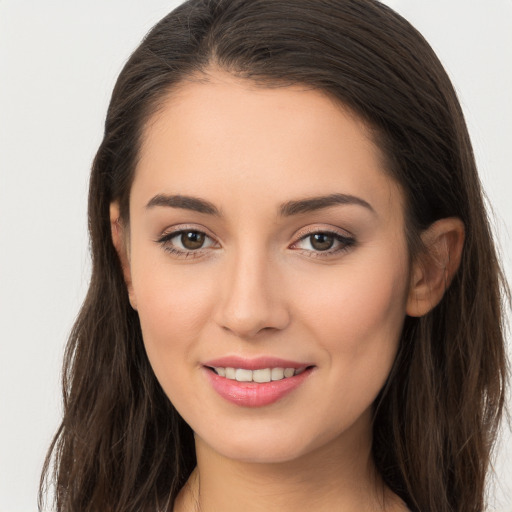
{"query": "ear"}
{"type": "Point", "coordinates": [120, 241]}
{"type": "Point", "coordinates": [433, 271]}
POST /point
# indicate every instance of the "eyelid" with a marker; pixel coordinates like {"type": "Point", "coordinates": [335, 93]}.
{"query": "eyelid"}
{"type": "Point", "coordinates": [173, 231]}
{"type": "Point", "coordinates": [322, 228]}
{"type": "Point", "coordinates": [343, 237]}
{"type": "Point", "coordinates": [178, 228]}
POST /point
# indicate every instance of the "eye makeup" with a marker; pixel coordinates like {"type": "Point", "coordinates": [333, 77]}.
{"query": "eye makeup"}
{"type": "Point", "coordinates": [192, 242]}
{"type": "Point", "coordinates": [185, 242]}
{"type": "Point", "coordinates": [321, 242]}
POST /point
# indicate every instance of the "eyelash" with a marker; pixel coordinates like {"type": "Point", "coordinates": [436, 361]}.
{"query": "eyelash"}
{"type": "Point", "coordinates": [166, 238]}
{"type": "Point", "coordinates": [344, 243]}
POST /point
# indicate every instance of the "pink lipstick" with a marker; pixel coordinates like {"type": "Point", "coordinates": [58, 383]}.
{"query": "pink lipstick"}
{"type": "Point", "coordinates": [255, 382]}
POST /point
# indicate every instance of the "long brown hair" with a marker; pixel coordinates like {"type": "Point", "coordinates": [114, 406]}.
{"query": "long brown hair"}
{"type": "Point", "coordinates": [121, 445]}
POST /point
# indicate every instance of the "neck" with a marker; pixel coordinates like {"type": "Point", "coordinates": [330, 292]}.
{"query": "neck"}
{"type": "Point", "coordinates": [340, 475]}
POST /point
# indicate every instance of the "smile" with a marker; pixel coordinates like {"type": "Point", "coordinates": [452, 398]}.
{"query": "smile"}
{"type": "Point", "coordinates": [260, 375]}
{"type": "Point", "coordinates": [255, 382]}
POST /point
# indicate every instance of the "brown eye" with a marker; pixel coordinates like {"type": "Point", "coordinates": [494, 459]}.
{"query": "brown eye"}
{"type": "Point", "coordinates": [324, 243]}
{"type": "Point", "coordinates": [187, 243]}
{"type": "Point", "coordinates": [192, 240]}
{"type": "Point", "coordinates": [321, 241]}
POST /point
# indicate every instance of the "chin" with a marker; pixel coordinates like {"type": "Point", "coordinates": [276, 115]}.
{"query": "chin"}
{"type": "Point", "coordinates": [265, 446]}
{"type": "Point", "coordinates": [258, 454]}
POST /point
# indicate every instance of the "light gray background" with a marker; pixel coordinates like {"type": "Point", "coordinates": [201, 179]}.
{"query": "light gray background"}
{"type": "Point", "coordinates": [58, 63]}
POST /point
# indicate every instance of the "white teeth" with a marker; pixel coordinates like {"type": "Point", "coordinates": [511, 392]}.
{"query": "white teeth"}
{"type": "Point", "coordinates": [277, 373]}
{"type": "Point", "coordinates": [260, 375]}
{"type": "Point", "coordinates": [242, 375]}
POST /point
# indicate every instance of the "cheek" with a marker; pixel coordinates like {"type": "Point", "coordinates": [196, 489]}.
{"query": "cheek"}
{"type": "Point", "coordinates": [173, 305]}
{"type": "Point", "coordinates": [356, 325]}
{"type": "Point", "coordinates": [358, 318]}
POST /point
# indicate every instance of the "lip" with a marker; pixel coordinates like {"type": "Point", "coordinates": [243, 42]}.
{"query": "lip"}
{"type": "Point", "coordinates": [252, 394]}
{"type": "Point", "coordinates": [255, 363]}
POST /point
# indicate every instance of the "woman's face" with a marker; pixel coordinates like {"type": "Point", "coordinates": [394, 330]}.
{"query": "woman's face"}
{"type": "Point", "coordinates": [265, 240]}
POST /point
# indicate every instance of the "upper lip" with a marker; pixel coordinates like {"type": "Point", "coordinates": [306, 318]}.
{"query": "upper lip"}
{"type": "Point", "coordinates": [254, 363]}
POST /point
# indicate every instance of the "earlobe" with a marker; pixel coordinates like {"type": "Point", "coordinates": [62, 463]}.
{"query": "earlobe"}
{"type": "Point", "coordinates": [120, 241]}
{"type": "Point", "coordinates": [434, 270]}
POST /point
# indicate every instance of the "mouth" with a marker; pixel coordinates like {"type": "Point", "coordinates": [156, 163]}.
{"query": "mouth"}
{"type": "Point", "coordinates": [256, 382]}
{"type": "Point", "coordinates": [259, 375]}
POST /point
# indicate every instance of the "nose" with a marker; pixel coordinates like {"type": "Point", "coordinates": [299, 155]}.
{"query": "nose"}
{"type": "Point", "coordinates": [252, 299]}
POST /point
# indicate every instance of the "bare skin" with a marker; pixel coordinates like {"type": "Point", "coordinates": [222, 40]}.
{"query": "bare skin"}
{"type": "Point", "coordinates": [269, 274]}
{"type": "Point", "coordinates": [326, 480]}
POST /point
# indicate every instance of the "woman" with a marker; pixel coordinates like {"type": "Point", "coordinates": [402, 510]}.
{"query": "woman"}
{"type": "Point", "coordinates": [295, 299]}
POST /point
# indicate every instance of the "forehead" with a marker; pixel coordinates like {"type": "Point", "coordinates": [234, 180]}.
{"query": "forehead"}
{"type": "Point", "coordinates": [229, 138]}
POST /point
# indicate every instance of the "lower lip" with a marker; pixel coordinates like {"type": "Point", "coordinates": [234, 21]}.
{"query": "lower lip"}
{"type": "Point", "coordinates": [252, 394]}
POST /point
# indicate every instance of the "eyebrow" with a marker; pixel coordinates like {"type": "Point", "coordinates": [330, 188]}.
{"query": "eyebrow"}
{"type": "Point", "coordinates": [185, 202]}
{"type": "Point", "coordinates": [286, 209]}
{"type": "Point", "coordinates": [317, 203]}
